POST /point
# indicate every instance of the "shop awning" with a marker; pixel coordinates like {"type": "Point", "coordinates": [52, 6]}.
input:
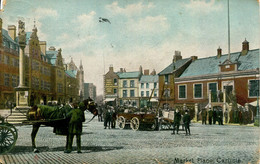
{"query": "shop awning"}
{"type": "Point", "coordinates": [109, 99]}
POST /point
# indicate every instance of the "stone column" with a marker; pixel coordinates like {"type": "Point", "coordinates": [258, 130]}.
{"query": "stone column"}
{"type": "Point", "coordinates": [196, 112]}
{"type": "Point", "coordinates": [22, 92]}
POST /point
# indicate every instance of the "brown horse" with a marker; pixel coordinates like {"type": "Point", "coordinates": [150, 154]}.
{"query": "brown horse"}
{"type": "Point", "coordinates": [60, 125]}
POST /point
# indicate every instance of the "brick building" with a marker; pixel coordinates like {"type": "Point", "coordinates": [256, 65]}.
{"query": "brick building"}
{"type": "Point", "coordinates": [44, 70]}
{"type": "Point", "coordinates": [214, 80]}
{"type": "Point", "coordinates": [167, 79]}
{"type": "Point", "coordinates": [9, 64]}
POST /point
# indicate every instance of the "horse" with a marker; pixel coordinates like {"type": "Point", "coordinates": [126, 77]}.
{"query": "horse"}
{"type": "Point", "coordinates": [54, 117]}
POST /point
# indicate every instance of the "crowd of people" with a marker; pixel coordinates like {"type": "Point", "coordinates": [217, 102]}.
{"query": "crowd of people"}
{"type": "Point", "coordinates": [216, 115]}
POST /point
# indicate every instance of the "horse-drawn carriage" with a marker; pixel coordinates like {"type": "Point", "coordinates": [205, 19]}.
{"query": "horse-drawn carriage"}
{"type": "Point", "coordinates": [137, 121]}
{"type": "Point", "coordinates": [147, 121]}
{"type": "Point", "coordinates": [37, 116]}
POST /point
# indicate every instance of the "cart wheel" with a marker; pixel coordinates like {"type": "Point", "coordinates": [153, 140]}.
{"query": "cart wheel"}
{"type": "Point", "coordinates": [135, 123]}
{"type": "Point", "coordinates": [154, 125]}
{"type": "Point", "coordinates": [13, 129]}
{"type": "Point", "coordinates": [121, 122]}
{"type": "Point", "coordinates": [7, 139]}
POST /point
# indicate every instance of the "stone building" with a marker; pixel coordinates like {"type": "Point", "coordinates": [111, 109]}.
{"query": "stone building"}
{"type": "Point", "coordinates": [148, 89]}
{"type": "Point", "coordinates": [90, 90]}
{"type": "Point", "coordinates": [111, 87]}
{"type": "Point", "coordinates": [128, 87]}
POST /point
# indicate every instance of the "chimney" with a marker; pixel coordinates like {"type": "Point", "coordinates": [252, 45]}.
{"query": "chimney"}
{"type": "Point", "coordinates": [219, 52]}
{"type": "Point", "coordinates": [146, 72]}
{"type": "Point", "coordinates": [12, 31]}
{"type": "Point", "coordinates": [153, 72]}
{"type": "Point", "coordinates": [52, 48]}
{"type": "Point", "coordinates": [121, 70]}
{"type": "Point", "coordinates": [111, 69]}
{"type": "Point", "coordinates": [124, 70]}
{"type": "Point", "coordinates": [43, 47]}
{"type": "Point", "coordinates": [245, 47]}
{"type": "Point", "coordinates": [194, 58]}
{"type": "Point", "coordinates": [141, 69]}
{"type": "Point", "coordinates": [177, 56]}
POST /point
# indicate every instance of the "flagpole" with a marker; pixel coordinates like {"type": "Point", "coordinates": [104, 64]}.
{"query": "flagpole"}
{"type": "Point", "coordinates": [228, 33]}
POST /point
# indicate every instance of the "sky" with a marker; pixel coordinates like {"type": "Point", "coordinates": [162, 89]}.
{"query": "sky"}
{"type": "Point", "coordinates": [142, 32]}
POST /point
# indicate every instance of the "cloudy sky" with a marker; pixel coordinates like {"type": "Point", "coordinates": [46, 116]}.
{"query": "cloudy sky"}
{"type": "Point", "coordinates": [142, 32]}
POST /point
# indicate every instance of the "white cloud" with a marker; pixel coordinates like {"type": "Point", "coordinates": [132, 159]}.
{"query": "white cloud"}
{"type": "Point", "coordinates": [129, 10]}
{"type": "Point", "coordinates": [149, 24]}
{"type": "Point", "coordinates": [45, 12]}
{"type": "Point", "coordinates": [86, 21]}
{"type": "Point", "coordinates": [203, 6]}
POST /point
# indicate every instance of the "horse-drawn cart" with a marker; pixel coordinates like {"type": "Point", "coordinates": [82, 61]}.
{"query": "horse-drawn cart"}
{"type": "Point", "coordinates": [137, 121]}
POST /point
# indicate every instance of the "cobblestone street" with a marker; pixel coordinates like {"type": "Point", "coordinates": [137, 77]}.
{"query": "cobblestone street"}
{"type": "Point", "coordinates": [207, 144]}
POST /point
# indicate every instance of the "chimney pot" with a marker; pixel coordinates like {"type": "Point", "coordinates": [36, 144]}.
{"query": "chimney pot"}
{"type": "Point", "coordinates": [219, 52]}
{"type": "Point", "coordinates": [146, 72]}
{"type": "Point", "coordinates": [177, 56]}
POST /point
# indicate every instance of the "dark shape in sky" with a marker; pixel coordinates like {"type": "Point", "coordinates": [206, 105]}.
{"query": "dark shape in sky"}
{"type": "Point", "coordinates": [103, 20]}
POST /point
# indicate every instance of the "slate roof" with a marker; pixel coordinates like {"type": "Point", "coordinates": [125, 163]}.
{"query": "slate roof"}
{"type": "Point", "coordinates": [71, 73]}
{"type": "Point", "coordinates": [210, 65]}
{"type": "Point", "coordinates": [52, 56]}
{"type": "Point", "coordinates": [177, 65]}
{"type": "Point", "coordinates": [8, 41]}
{"type": "Point", "coordinates": [128, 75]}
{"type": "Point", "coordinates": [149, 79]}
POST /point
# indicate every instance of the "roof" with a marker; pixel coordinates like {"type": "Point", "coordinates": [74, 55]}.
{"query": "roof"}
{"type": "Point", "coordinates": [52, 56]}
{"type": "Point", "coordinates": [210, 65]}
{"type": "Point", "coordinates": [6, 35]}
{"type": "Point", "coordinates": [125, 75]}
{"type": "Point", "coordinates": [28, 35]}
{"type": "Point", "coordinates": [71, 73]}
{"type": "Point", "coordinates": [8, 41]}
{"type": "Point", "coordinates": [175, 65]}
{"type": "Point", "coordinates": [149, 79]}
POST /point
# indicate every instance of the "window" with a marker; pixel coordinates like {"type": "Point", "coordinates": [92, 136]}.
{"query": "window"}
{"type": "Point", "coordinates": [132, 93]}
{"type": "Point", "coordinates": [35, 65]}
{"type": "Point", "coordinates": [132, 83]}
{"type": "Point", "coordinates": [147, 94]}
{"type": "Point", "coordinates": [6, 59]}
{"type": "Point", "coordinates": [14, 81]}
{"type": "Point", "coordinates": [154, 85]}
{"type": "Point", "coordinates": [115, 91]}
{"type": "Point", "coordinates": [155, 94]}
{"type": "Point", "coordinates": [142, 93]}
{"type": "Point", "coordinates": [167, 93]}
{"type": "Point", "coordinates": [59, 73]}
{"type": "Point", "coordinates": [253, 88]}
{"type": "Point", "coordinates": [197, 90]}
{"type": "Point", "coordinates": [166, 78]}
{"type": "Point", "coordinates": [213, 87]}
{"type": "Point", "coordinates": [124, 93]}
{"type": "Point", "coordinates": [182, 91]}
{"type": "Point", "coordinates": [142, 85]}
{"type": "Point", "coordinates": [6, 79]}
{"type": "Point", "coordinates": [147, 85]}
{"type": "Point", "coordinates": [60, 88]}
{"type": "Point", "coordinates": [115, 81]}
{"type": "Point", "coordinates": [124, 84]}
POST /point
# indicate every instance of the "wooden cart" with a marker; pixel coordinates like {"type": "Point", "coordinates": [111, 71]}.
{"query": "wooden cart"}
{"type": "Point", "coordinates": [137, 121]}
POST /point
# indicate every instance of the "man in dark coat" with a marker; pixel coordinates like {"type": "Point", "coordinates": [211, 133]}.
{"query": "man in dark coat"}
{"type": "Point", "coordinates": [204, 116]}
{"type": "Point", "coordinates": [214, 115]}
{"type": "Point", "coordinates": [113, 119]}
{"type": "Point", "coordinates": [176, 121]}
{"type": "Point", "coordinates": [108, 117]}
{"type": "Point", "coordinates": [210, 115]}
{"type": "Point", "coordinates": [76, 116]}
{"type": "Point", "coordinates": [220, 117]}
{"type": "Point", "coordinates": [186, 121]}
